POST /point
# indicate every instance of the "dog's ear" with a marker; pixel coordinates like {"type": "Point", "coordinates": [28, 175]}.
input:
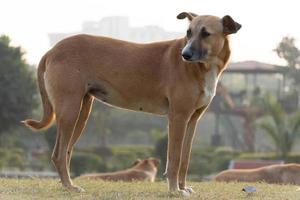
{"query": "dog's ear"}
{"type": "Point", "coordinates": [156, 162]}
{"type": "Point", "coordinates": [229, 25]}
{"type": "Point", "coordinates": [189, 15]}
{"type": "Point", "coordinates": [136, 162]}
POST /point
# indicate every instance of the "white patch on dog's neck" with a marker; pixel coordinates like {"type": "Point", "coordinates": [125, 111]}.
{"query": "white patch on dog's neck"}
{"type": "Point", "coordinates": [210, 84]}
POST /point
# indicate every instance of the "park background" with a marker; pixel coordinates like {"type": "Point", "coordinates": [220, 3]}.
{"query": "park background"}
{"type": "Point", "coordinates": [255, 114]}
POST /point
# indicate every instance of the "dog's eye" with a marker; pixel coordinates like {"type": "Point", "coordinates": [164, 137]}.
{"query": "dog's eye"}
{"type": "Point", "coordinates": [204, 33]}
{"type": "Point", "coordinates": [188, 33]}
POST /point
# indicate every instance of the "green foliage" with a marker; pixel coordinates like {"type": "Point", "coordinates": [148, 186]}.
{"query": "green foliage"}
{"type": "Point", "coordinates": [157, 134]}
{"type": "Point", "coordinates": [101, 119]}
{"type": "Point", "coordinates": [124, 123]}
{"type": "Point", "coordinates": [103, 152]}
{"type": "Point", "coordinates": [204, 160]}
{"type": "Point", "coordinates": [287, 50]}
{"type": "Point", "coordinates": [13, 157]}
{"type": "Point", "coordinates": [17, 83]}
{"type": "Point", "coordinates": [160, 151]}
{"type": "Point", "coordinates": [115, 158]}
{"type": "Point", "coordinates": [124, 156]}
{"type": "Point", "coordinates": [86, 162]}
{"type": "Point", "coordinates": [50, 136]}
{"type": "Point", "coordinates": [282, 128]}
{"type": "Point", "coordinates": [10, 140]}
{"type": "Point", "coordinates": [208, 160]}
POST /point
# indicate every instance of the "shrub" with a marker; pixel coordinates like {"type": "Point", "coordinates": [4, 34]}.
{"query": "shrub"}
{"type": "Point", "coordinates": [160, 151]}
{"type": "Point", "coordinates": [86, 162]}
{"type": "Point", "coordinates": [204, 160]}
{"type": "Point", "coordinates": [119, 157]}
{"type": "Point", "coordinates": [13, 157]}
{"type": "Point", "coordinates": [104, 152]}
{"type": "Point", "coordinates": [124, 156]}
{"type": "Point", "coordinates": [3, 157]}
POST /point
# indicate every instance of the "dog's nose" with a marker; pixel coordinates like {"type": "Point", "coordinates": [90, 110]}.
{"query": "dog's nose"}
{"type": "Point", "coordinates": [187, 55]}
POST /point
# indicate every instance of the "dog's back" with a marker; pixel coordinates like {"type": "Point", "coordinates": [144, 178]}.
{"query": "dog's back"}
{"type": "Point", "coordinates": [281, 174]}
{"type": "Point", "coordinates": [291, 174]}
{"type": "Point", "coordinates": [238, 175]}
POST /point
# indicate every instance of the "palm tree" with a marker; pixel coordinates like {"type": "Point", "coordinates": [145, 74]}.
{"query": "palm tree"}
{"type": "Point", "coordinates": [282, 128]}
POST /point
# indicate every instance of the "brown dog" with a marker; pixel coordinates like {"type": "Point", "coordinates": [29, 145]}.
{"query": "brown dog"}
{"type": "Point", "coordinates": [280, 174]}
{"type": "Point", "coordinates": [176, 78]}
{"type": "Point", "coordinates": [142, 170]}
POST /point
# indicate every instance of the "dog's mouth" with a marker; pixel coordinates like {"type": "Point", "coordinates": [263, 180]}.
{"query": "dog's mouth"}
{"type": "Point", "coordinates": [193, 60]}
{"type": "Point", "coordinates": [192, 56]}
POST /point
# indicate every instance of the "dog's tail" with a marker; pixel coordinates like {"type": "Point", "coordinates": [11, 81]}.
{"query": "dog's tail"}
{"type": "Point", "coordinates": [48, 116]}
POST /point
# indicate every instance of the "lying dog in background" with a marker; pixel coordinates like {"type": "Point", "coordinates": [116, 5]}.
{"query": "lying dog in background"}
{"type": "Point", "coordinates": [142, 170]}
{"type": "Point", "coordinates": [279, 174]}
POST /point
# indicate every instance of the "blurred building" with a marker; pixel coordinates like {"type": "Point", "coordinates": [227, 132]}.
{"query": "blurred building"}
{"type": "Point", "coordinates": [119, 27]}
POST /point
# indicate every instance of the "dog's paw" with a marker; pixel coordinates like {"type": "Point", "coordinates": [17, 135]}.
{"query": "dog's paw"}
{"type": "Point", "coordinates": [298, 190]}
{"type": "Point", "coordinates": [185, 193]}
{"type": "Point", "coordinates": [189, 190]}
{"type": "Point", "coordinates": [74, 188]}
{"type": "Point", "coordinates": [180, 193]}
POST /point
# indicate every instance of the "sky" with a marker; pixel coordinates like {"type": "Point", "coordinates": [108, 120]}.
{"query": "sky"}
{"type": "Point", "coordinates": [264, 22]}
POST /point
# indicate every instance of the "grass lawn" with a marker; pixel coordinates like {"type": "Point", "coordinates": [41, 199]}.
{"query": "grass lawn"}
{"type": "Point", "coordinates": [50, 189]}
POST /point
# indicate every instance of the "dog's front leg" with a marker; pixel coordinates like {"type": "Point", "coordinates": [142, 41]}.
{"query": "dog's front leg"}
{"type": "Point", "coordinates": [186, 148]}
{"type": "Point", "coordinates": [177, 128]}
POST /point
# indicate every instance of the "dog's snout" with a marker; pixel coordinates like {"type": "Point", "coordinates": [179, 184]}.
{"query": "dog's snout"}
{"type": "Point", "coordinates": [187, 55]}
{"type": "Point", "coordinates": [187, 52]}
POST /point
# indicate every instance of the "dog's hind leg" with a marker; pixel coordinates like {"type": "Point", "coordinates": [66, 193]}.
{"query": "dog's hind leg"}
{"type": "Point", "coordinates": [186, 149]}
{"type": "Point", "coordinates": [87, 103]}
{"type": "Point", "coordinates": [67, 109]}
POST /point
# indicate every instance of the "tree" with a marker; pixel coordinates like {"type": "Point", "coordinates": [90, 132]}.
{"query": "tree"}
{"type": "Point", "coordinates": [287, 50]}
{"type": "Point", "coordinates": [282, 128]}
{"type": "Point", "coordinates": [17, 83]}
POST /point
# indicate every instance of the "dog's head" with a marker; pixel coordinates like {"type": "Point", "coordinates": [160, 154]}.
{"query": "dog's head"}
{"type": "Point", "coordinates": [206, 36]}
{"type": "Point", "coordinates": [293, 167]}
{"type": "Point", "coordinates": [148, 164]}
{"type": "Point", "coordinates": [291, 173]}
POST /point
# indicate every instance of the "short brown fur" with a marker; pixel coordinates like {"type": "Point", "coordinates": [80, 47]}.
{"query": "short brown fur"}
{"type": "Point", "coordinates": [279, 174]}
{"type": "Point", "coordinates": [142, 77]}
{"type": "Point", "coordinates": [142, 170]}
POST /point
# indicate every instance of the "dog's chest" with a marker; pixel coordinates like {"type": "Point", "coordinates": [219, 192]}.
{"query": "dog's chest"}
{"type": "Point", "coordinates": [210, 84]}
